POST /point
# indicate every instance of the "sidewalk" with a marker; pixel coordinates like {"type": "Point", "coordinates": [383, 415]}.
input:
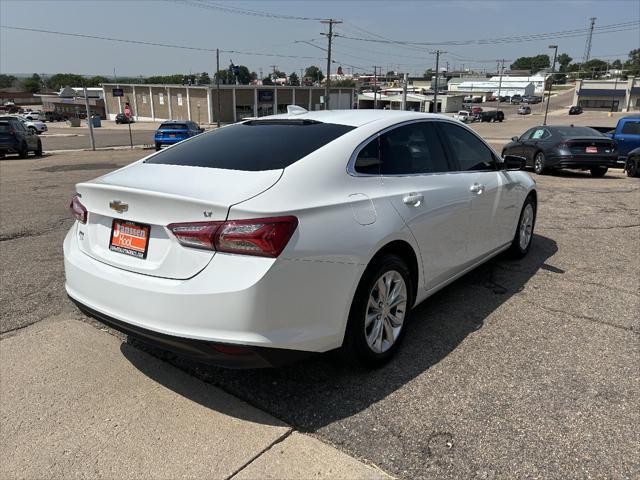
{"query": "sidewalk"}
{"type": "Point", "coordinates": [76, 402]}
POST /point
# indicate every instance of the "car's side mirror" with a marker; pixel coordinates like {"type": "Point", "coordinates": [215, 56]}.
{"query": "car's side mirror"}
{"type": "Point", "coordinates": [513, 162]}
{"type": "Point", "coordinates": [515, 139]}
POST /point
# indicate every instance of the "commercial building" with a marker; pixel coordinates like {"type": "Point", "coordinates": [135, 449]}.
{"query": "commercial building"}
{"type": "Point", "coordinates": [200, 103]}
{"type": "Point", "coordinates": [415, 102]}
{"type": "Point", "coordinates": [611, 95]}
{"type": "Point", "coordinates": [541, 81]}
{"type": "Point", "coordinates": [69, 102]}
{"type": "Point", "coordinates": [487, 88]}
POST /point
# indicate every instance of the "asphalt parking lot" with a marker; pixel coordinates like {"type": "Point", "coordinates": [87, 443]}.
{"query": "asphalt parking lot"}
{"type": "Point", "coordinates": [520, 369]}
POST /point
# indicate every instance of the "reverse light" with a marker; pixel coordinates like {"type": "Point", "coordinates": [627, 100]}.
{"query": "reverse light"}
{"type": "Point", "coordinates": [263, 237]}
{"type": "Point", "coordinates": [78, 211]}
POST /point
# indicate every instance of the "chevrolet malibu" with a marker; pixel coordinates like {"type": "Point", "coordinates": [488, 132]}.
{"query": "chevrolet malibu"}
{"type": "Point", "coordinates": [265, 241]}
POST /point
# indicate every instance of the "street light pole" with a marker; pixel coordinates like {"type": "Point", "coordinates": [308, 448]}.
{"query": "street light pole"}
{"type": "Point", "coordinates": [553, 68]}
{"type": "Point", "coordinates": [435, 90]}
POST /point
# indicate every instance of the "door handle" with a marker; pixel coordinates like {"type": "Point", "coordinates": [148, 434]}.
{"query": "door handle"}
{"type": "Point", "coordinates": [413, 199]}
{"type": "Point", "coordinates": [477, 188]}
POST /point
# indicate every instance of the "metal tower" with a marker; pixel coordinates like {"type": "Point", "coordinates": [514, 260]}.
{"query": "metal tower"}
{"type": "Point", "coordinates": [587, 47]}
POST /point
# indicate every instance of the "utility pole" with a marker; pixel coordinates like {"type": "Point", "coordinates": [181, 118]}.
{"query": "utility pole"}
{"type": "Point", "coordinates": [375, 87]}
{"type": "Point", "coordinates": [329, 35]}
{"type": "Point", "coordinates": [217, 87]}
{"type": "Point", "coordinates": [86, 104]}
{"type": "Point", "coordinates": [553, 67]}
{"type": "Point", "coordinates": [435, 90]}
{"type": "Point", "coordinates": [500, 82]}
{"type": "Point", "coordinates": [404, 92]}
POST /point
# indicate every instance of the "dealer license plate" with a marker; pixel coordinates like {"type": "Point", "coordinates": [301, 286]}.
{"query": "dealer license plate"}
{"type": "Point", "coordinates": [592, 149]}
{"type": "Point", "coordinates": [130, 238]}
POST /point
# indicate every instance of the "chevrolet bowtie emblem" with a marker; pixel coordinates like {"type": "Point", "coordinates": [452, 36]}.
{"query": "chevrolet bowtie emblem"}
{"type": "Point", "coordinates": [118, 206]}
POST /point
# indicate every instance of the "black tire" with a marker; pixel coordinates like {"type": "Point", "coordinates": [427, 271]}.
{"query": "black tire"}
{"type": "Point", "coordinates": [355, 348]}
{"type": "Point", "coordinates": [540, 164]}
{"type": "Point", "coordinates": [517, 250]}
{"type": "Point", "coordinates": [158, 147]}
{"type": "Point", "coordinates": [631, 168]}
{"type": "Point", "coordinates": [38, 150]}
{"type": "Point", "coordinates": [33, 130]}
{"type": "Point", "coordinates": [24, 150]}
{"type": "Point", "coordinates": [598, 172]}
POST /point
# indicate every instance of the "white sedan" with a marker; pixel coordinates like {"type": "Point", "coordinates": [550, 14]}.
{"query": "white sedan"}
{"type": "Point", "coordinates": [277, 237]}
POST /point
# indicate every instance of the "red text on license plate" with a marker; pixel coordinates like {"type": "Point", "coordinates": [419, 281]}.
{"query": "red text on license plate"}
{"type": "Point", "coordinates": [592, 149]}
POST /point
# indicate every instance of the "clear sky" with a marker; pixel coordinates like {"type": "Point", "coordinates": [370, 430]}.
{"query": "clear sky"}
{"type": "Point", "coordinates": [175, 22]}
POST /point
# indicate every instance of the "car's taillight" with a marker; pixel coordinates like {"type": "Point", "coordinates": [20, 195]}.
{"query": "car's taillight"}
{"type": "Point", "coordinates": [264, 237]}
{"type": "Point", "coordinates": [196, 234]}
{"type": "Point", "coordinates": [78, 210]}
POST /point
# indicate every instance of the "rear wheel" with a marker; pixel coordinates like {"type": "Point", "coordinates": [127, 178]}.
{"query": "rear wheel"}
{"type": "Point", "coordinates": [539, 164]}
{"type": "Point", "coordinates": [38, 150]}
{"type": "Point", "coordinates": [524, 233]}
{"type": "Point", "coordinates": [379, 311]}
{"type": "Point", "coordinates": [158, 147]}
{"type": "Point", "coordinates": [598, 172]}
{"type": "Point", "coordinates": [632, 168]}
{"type": "Point", "coordinates": [24, 150]}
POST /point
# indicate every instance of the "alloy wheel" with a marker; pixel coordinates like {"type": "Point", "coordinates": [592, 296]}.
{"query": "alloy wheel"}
{"type": "Point", "coordinates": [526, 226]}
{"type": "Point", "coordinates": [539, 163]}
{"type": "Point", "coordinates": [386, 310]}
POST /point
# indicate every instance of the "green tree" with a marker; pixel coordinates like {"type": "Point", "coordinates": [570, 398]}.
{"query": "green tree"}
{"type": "Point", "coordinates": [61, 80]}
{"type": "Point", "coordinates": [267, 81]}
{"type": "Point", "coordinates": [563, 61]}
{"type": "Point", "coordinates": [33, 84]}
{"type": "Point", "coordinates": [7, 81]}
{"type": "Point", "coordinates": [632, 66]}
{"type": "Point", "coordinates": [428, 74]}
{"type": "Point", "coordinates": [225, 77]}
{"type": "Point", "coordinates": [594, 68]}
{"type": "Point", "coordinates": [203, 79]}
{"type": "Point", "coordinates": [617, 64]}
{"type": "Point", "coordinates": [294, 80]}
{"type": "Point", "coordinates": [534, 64]}
{"type": "Point", "coordinates": [314, 73]}
{"type": "Point", "coordinates": [347, 83]}
{"type": "Point", "coordinates": [96, 81]}
{"type": "Point", "coordinates": [279, 74]}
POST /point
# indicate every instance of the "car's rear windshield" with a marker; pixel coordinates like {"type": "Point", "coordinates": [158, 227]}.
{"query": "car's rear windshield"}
{"type": "Point", "coordinates": [4, 127]}
{"type": "Point", "coordinates": [253, 146]}
{"type": "Point", "coordinates": [173, 126]}
{"type": "Point", "coordinates": [577, 132]}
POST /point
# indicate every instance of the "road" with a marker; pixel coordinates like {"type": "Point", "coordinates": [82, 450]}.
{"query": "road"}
{"type": "Point", "coordinates": [519, 369]}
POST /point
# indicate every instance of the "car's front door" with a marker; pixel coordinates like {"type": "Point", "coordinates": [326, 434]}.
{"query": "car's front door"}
{"type": "Point", "coordinates": [432, 200]}
{"type": "Point", "coordinates": [493, 200]}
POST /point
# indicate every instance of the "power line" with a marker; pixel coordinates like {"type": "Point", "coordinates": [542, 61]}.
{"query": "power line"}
{"type": "Point", "coordinates": [619, 27]}
{"type": "Point", "coordinates": [155, 44]}
{"type": "Point", "coordinates": [243, 11]}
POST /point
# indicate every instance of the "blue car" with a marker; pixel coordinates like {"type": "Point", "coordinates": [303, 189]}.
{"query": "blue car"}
{"type": "Point", "coordinates": [175, 131]}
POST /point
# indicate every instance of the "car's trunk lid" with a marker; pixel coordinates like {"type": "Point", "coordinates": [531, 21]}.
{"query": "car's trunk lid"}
{"type": "Point", "coordinates": [157, 195]}
{"type": "Point", "coordinates": [590, 145]}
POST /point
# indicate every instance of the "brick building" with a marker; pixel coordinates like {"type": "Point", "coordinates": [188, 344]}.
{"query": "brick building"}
{"type": "Point", "coordinates": [200, 103]}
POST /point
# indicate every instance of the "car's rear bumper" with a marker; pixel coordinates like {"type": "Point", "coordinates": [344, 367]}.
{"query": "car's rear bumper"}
{"type": "Point", "coordinates": [212, 353]}
{"type": "Point", "coordinates": [9, 147]}
{"type": "Point", "coordinates": [168, 141]}
{"type": "Point", "coordinates": [238, 300]}
{"type": "Point", "coordinates": [582, 161]}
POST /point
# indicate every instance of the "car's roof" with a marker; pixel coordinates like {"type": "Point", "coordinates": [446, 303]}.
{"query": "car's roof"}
{"type": "Point", "coordinates": [356, 118]}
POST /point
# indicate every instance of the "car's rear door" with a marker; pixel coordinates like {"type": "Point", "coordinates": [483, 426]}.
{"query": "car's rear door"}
{"type": "Point", "coordinates": [492, 192]}
{"type": "Point", "coordinates": [433, 201]}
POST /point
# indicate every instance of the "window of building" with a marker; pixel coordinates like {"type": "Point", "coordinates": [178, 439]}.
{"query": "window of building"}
{"type": "Point", "coordinates": [161, 98]}
{"type": "Point", "coordinates": [604, 104]}
{"type": "Point", "coordinates": [144, 98]}
{"type": "Point", "coordinates": [470, 152]}
{"type": "Point", "coordinates": [179, 99]}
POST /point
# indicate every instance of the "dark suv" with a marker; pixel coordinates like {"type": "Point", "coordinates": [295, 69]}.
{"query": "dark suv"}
{"type": "Point", "coordinates": [15, 138]}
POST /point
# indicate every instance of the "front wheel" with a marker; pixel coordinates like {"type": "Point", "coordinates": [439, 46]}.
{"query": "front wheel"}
{"type": "Point", "coordinates": [539, 164]}
{"type": "Point", "coordinates": [158, 147]}
{"type": "Point", "coordinates": [379, 311]}
{"type": "Point", "coordinates": [598, 172]}
{"type": "Point", "coordinates": [521, 242]}
{"type": "Point", "coordinates": [33, 130]}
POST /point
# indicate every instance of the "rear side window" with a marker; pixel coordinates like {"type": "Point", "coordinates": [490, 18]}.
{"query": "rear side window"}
{"type": "Point", "coordinates": [253, 146]}
{"type": "Point", "coordinates": [471, 152]}
{"type": "Point", "coordinates": [631, 128]}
